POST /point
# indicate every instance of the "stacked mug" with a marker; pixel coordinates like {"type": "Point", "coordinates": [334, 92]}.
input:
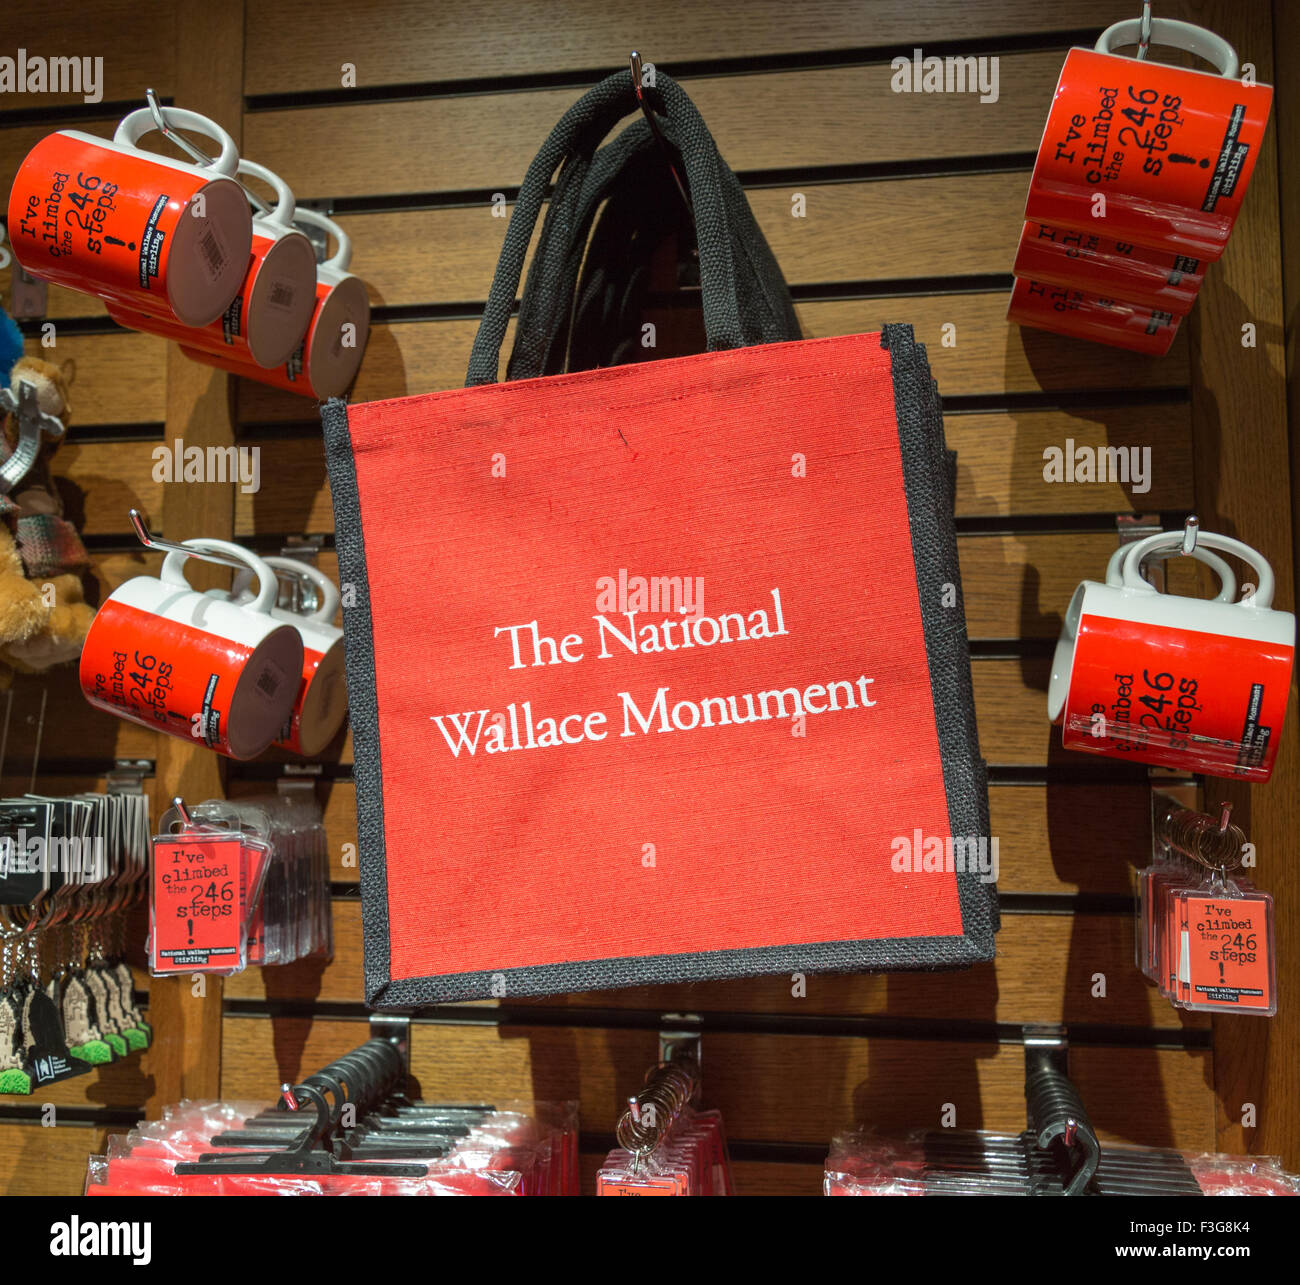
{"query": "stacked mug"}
{"type": "Point", "coordinates": [1194, 684]}
{"type": "Point", "coordinates": [1139, 179]}
{"type": "Point", "coordinates": [174, 249]}
{"type": "Point", "coordinates": [233, 669]}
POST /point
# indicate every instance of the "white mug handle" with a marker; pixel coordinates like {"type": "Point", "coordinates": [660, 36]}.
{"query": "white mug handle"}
{"type": "Point", "coordinates": [283, 214]}
{"type": "Point", "coordinates": [173, 571]}
{"type": "Point", "coordinates": [343, 254]}
{"type": "Point", "coordinates": [1227, 581]}
{"type": "Point", "coordinates": [327, 590]}
{"type": "Point", "coordinates": [131, 129]}
{"type": "Point", "coordinates": [1262, 597]}
{"type": "Point", "coordinates": [1178, 35]}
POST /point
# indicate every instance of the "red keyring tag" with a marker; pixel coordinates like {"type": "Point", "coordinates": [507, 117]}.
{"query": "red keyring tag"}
{"type": "Point", "coordinates": [197, 907]}
{"type": "Point", "coordinates": [1225, 955]}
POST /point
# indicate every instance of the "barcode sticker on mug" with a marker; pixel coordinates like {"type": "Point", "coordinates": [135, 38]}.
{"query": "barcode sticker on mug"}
{"type": "Point", "coordinates": [214, 254]}
{"type": "Point", "coordinates": [282, 295]}
{"type": "Point", "coordinates": [270, 680]}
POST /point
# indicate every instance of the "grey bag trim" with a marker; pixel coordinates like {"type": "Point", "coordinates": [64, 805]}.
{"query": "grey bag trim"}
{"type": "Point", "coordinates": [363, 701]}
{"type": "Point", "coordinates": [928, 478]}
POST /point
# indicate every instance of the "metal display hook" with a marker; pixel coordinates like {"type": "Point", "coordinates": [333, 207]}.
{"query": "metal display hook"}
{"type": "Point", "coordinates": [639, 90]}
{"type": "Point", "coordinates": [1055, 1111]}
{"type": "Point", "coordinates": [1144, 36]}
{"type": "Point", "coordinates": [183, 812]}
{"type": "Point", "coordinates": [151, 541]}
{"type": "Point", "coordinates": [196, 154]}
{"type": "Point", "coordinates": [670, 1087]}
{"type": "Point", "coordinates": [172, 136]}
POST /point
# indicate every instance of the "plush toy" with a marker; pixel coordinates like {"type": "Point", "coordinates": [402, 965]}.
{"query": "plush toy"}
{"type": "Point", "coordinates": [43, 612]}
{"type": "Point", "coordinates": [60, 636]}
{"type": "Point", "coordinates": [23, 608]}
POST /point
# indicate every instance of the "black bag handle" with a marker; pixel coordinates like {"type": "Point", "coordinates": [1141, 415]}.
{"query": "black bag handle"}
{"type": "Point", "coordinates": [633, 168]}
{"type": "Point", "coordinates": [745, 297]}
{"type": "Point", "coordinates": [643, 214]}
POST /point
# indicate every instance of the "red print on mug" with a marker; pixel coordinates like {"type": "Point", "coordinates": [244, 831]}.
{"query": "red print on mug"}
{"type": "Point", "coordinates": [195, 665]}
{"type": "Point", "coordinates": [266, 320]}
{"type": "Point", "coordinates": [107, 218]}
{"type": "Point", "coordinates": [322, 702]}
{"type": "Point", "coordinates": [1170, 149]}
{"type": "Point", "coordinates": [1190, 683]}
{"type": "Point", "coordinates": [1081, 314]}
{"type": "Point", "coordinates": [1156, 279]}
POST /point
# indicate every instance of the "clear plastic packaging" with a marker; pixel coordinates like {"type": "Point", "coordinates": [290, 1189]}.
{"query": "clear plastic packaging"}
{"type": "Point", "coordinates": [924, 1163]}
{"type": "Point", "coordinates": [690, 1160]}
{"type": "Point", "coordinates": [1204, 931]}
{"type": "Point", "coordinates": [240, 882]}
{"type": "Point", "coordinates": [517, 1149]}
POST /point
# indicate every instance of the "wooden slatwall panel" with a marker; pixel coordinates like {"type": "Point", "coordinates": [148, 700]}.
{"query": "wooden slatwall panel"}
{"type": "Point", "coordinates": [882, 247]}
{"type": "Point", "coordinates": [913, 209]}
{"type": "Point", "coordinates": [1240, 438]}
{"type": "Point", "coordinates": [36, 1160]}
{"type": "Point", "coordinates": [121, 393]}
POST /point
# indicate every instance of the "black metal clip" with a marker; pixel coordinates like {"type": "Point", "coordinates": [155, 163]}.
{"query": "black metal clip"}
{"type": "Point", "coordinates": [1055, 1110]}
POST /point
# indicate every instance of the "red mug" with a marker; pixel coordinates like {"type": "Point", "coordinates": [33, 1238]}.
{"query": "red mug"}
{"type": "Point", "coordinates": [266, 320]}
{"type": "Point", "coordinates": [326, 362]}
{"type": "Point", "coordinates": [106, 218]}
{"type": "Point", "coordinates": [1190, 683]}
{"type": "Point", "coordinates": [1081, 314]}
{"type": "Point", "coordinates": [1093, 261]}
{"type": "Point", "coordinates": [195, 665]}
{"type": "Point", "coordinates": [1171, 149]}
{"type": "Point", "coordinates": [322, 702]}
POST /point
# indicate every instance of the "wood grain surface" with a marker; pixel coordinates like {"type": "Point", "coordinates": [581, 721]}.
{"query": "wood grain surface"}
{"type": "Point", "coordinates": [460, 39]}
{"type": "Point", "coordinates": [1000, 472]}
{"type": "Point", "coordinates": [1242, 451]}
{"type": "Point", "coordinates": [1049, 968]}
{"type": "Point", "coordinates": [828, 1082]}
{"type": "Point", "coordinates": [40, 1161]}
{"type": "Point", "coordinates": [187, 1062]}
{"type": "Point", "coordinates": [986, 357]}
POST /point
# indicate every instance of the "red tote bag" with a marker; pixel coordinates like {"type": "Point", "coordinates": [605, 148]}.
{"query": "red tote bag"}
{"type": "Point", "coordinates": [657, 672]}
